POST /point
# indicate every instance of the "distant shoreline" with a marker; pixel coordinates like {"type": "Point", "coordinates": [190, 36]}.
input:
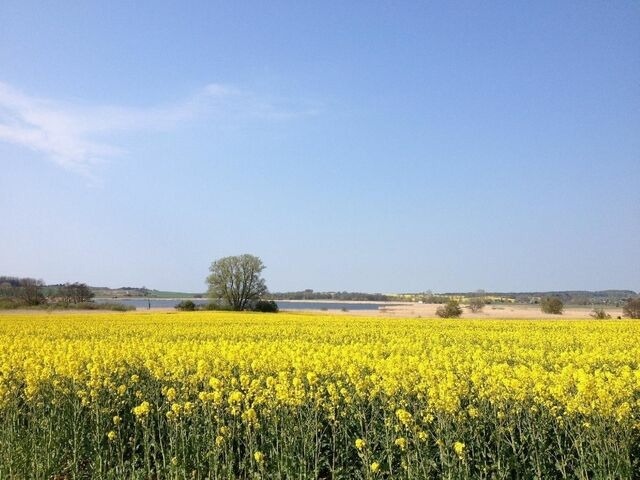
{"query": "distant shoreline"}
{"type": "Point", "coordinates": [400, 309]}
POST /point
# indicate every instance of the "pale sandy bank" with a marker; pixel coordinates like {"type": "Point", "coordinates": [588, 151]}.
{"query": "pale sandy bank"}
{"type": "Point", "coordinates": [426, 310]}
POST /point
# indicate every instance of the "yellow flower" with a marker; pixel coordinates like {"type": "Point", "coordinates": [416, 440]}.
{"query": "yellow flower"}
{"type": "Point", "coordinates": [459, 448]}
{"type": "Point", "coordinates": [401, 442]}
{"type": "Point", "coordinates": [404, 416]}
{"type": "Point", "coordinates": [360, 444]}
{"type": "Point", "coordinates": [312, 378]}
{"type": "Point", "coordinates": [112, 436]}
{"type": "Point", "coordinates": [250, 417]}
{"type": "Point", "coordinates": [117, 420]}
{"type": "Point", "coordinates": [142, 410]}
{"type": "Point", "coordinates": [258, 456]}
{"type": "Point", "coordinates": [171, 394]}
{"type": "Point", "coordinates": [374, 467]}
{"type": "Point", "coordinates": [235, 397]}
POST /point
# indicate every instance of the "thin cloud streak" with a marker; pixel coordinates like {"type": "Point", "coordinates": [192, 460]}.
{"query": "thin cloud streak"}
{"type": "Point", "coordinates": [65, 133]}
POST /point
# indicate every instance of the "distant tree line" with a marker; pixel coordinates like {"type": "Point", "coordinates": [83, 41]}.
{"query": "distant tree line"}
{"type": "Point", "coordinates": [16, 292]}
{"type": "Point", "coordinates": [609, 298]}
{"type": "Point", "coordinates": [601, 298]}
{"type": "Point", "coordinates": [309, 294]}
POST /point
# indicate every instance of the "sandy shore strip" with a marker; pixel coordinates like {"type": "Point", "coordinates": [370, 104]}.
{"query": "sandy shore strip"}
{"type": "Point", "coordinates": [428, 310]}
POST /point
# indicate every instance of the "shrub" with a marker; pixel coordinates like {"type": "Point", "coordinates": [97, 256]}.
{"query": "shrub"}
{"type": "Point", "coordinates": [10, 303]}
{"type": "Point", "coordinates": [600, 314]}
{"type": "Point", "coordinates": [267, 306]}
{"type": "Point", "coordinates": [186, 306]}
{"type": "Point", "coordinates": [213, 306]}
{"type": "Point", "coordinates": [552, 305]}
{"type": "Point", "coordinates": [632, 308]}
{"type": "Point", "coordinates": [476, 304]}
{"type": "Point", "coordinates": [116, 307]}
{"type": "Point", "coordinates": [449, 310]}
{"type": "Point", "coordinates": [120, 307]}
{"type": "Point", "coordinates": [74, 293]}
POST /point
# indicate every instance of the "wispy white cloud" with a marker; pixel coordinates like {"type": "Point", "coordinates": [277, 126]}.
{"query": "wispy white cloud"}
{"type": "Point", "coordinates": [70, 134]}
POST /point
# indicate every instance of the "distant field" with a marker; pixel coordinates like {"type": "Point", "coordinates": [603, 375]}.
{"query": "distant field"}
{"type": "Point", "coordinates": [241, 395]}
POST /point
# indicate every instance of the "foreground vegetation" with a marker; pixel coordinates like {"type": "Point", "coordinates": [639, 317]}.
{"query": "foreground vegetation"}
{"type": "Point", "coordinates": [243, 395]}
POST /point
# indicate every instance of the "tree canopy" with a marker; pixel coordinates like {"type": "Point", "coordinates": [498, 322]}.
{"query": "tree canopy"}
{"type": "Point", "coordinates": [74, 293]}
{"type": "Point", "coordinates": [632, 308]}
{"type": "Point", "coordinates": [236, 281]}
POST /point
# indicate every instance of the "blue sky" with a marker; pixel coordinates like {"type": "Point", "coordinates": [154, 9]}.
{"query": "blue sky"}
{"type": "Point", "coordinates": [370, 146]}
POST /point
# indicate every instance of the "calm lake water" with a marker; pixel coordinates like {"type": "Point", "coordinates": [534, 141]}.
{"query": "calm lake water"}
{"type": "Point", "coordinates": [141, 303]}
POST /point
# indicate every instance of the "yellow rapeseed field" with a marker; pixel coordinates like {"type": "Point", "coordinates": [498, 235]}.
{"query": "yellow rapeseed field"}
{"type": "Point", "coordinates": [243, 395]}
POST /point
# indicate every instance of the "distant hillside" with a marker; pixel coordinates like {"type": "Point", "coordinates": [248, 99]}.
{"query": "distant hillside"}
{"type": "Point", "coordinates": [137, 292]}
{"type": "Point", "coordinates": [342, 296]}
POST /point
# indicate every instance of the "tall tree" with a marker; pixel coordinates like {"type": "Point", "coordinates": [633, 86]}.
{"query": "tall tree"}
{"type": "Point", "coordinates": [236, 281]}
{"type": "Point", "coordinates": [75, 293]}
{"type": "Point", "coordinates": [30, 291]}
